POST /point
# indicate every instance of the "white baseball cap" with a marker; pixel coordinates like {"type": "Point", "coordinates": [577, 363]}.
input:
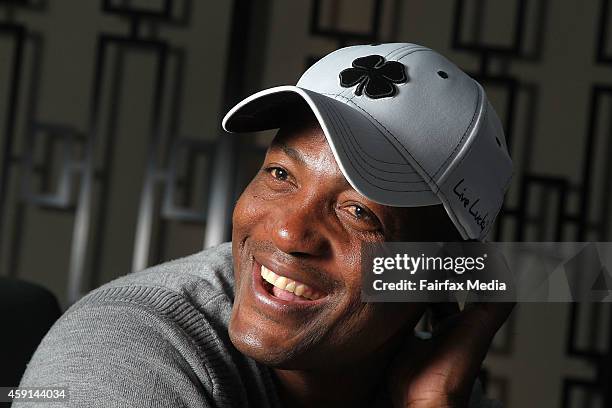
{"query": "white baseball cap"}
{"type": "Point", "coordinates": [406, 126]}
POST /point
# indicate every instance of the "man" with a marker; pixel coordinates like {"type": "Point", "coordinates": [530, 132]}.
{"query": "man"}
{"type": "Point", "coordinates": [390, 142]}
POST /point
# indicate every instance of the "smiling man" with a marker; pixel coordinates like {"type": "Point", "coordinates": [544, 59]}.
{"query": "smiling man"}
{"type": "Point", "coordinates": [376, 143]}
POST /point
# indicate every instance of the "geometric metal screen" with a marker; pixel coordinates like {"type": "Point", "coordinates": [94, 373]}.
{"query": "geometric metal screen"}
{"type": "Point", "coordinates": [69, 167]}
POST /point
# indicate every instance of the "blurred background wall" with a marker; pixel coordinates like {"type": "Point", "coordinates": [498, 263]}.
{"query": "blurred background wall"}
{"type": "Point", "coordinates": [112, 157]}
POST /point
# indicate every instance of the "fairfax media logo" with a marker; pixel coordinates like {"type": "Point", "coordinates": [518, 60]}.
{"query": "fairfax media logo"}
{"type": "Point", "coordinates": [531, 271]}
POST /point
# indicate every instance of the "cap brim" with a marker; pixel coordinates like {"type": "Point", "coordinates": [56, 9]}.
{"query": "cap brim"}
{"type": "Point", "coordinates": [371, 163]}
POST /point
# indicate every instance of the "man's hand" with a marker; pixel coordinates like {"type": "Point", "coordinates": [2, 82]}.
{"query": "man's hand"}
{"type": "Point", "coordinates": [440, 372]}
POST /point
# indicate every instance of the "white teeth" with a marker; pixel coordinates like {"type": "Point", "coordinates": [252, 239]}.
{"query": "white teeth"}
{"type": "Point", "coordinates": [299, 290]}
{"type": "Point", "coordinates": [290, 287]}
{"type": "Point", "coordinates": [282, 282]}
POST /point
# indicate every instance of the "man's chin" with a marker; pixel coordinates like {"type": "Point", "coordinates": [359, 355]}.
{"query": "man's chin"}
{"type": "Point", "coordinates": [261, 347]}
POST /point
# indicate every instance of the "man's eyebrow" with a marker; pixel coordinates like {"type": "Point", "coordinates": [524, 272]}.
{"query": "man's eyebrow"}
{"type": "Point", "coordinates": [296, 155]}
{"type": "Point", "coordinates": [289, 151]}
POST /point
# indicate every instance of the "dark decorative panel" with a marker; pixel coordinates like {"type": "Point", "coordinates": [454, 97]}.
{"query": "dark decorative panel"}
{"type": "Point", "coordinates": [161, 8]}
{"type": "Point", "coordinates": [477, 41]}
{"type": "Point", "coordinates": [194, 150]}
{"type": "Point", "coordinates": [64, 168]}
{"type": "Point", "coordinates": [17, 35]}
{"type": "Point", "coordinates": [369, 33]}
{"type": "Point", "coordinates": [343, 37]}
{"type": "Point", "coordinates": [52, 140]}
{"type": "Point", "coordinates": [604, 34]}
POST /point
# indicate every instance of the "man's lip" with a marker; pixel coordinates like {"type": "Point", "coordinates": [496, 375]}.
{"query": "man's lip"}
{"type": "Point", "coordinates": [291, 273]}
{"type": "Point", "coordinates": [277, 304]}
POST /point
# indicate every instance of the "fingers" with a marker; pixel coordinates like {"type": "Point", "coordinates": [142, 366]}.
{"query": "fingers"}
{"type": "Point", "coordinates": [482, 318]}
{"type": "Point", "coordinates": [465, 338]}
{"type": "Point", "coordinates": [441, 312]}
{"type": "Point", "coordinates": [471, 332]}
{"type": "Point", "coordinates": [486, 318]}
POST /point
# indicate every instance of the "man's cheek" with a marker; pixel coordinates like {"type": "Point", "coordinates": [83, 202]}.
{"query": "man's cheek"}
{"type": "Point", "coordinates": [246, 212]}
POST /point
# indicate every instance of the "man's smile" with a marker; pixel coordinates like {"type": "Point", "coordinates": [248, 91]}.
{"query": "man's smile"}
{"type": "Point", "coordinates": [283, 290]}
{"type": "Point", "coordinates": [288, 289]}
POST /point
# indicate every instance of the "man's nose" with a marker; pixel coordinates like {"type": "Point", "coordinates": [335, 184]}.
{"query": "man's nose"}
{"type": "Point", "coordinates": [297, 230]}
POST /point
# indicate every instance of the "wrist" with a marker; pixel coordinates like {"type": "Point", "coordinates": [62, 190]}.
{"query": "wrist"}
{"type": "Point", "coordinates": [433, 401]}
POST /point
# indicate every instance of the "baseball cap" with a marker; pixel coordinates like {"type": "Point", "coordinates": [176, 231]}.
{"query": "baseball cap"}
{"type": "Point", "coordinates": [406, 126]}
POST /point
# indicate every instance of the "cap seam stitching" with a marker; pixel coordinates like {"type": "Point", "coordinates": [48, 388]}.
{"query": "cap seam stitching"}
{"type": "Point", "coordinates": [471, 145]}
{"type": "Point", "coordinates": [357, 169]}
{"type": "Point", "coordinates": [408, 52]}
{"type": "Point", "coordinates": [391, 134]}
{"type": "Point", "coordinates": [338, 120]}
{"type": "Point", "coordinates": [470, 126]}
{"type": "Point", "coordinates": [403, 48]}
{"type": "Point", "coordinates": [355, 143]}
{"type": "Point", "coordinates": [406, 163]}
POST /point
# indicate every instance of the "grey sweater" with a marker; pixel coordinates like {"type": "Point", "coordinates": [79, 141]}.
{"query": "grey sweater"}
{"type": "Point", "coordinates": [155, 338]}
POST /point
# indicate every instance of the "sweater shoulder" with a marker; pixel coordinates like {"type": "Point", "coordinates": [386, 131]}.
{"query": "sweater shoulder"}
{"type": "Point", "coordinates": [194, 293]}
{"type": "Point", "coordinates": [200, 278]}
{"type": "Point", "coordinates": [172, 316]}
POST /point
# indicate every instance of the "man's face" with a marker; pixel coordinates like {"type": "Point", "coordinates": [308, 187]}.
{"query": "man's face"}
{"type": "Point", "coordinates": [301, 219]}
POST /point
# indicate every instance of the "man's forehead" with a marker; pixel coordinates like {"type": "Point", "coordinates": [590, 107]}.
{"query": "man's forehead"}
{"type": "Point", "coordinates": [290, 151]}
{"type": "Point", "coordinates": [299, 132]}
{"type": "Point", "coordinates": [307, 145]}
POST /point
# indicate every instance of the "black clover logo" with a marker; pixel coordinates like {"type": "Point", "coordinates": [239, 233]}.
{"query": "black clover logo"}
{"type": "Point", "coordinates": [375, 76]}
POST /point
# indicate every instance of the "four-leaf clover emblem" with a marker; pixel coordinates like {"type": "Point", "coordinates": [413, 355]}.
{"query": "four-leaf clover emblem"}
{"type": "Point", "coordinates": [374, 76]}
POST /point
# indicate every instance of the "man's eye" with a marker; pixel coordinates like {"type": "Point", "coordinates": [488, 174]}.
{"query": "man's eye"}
{"type": "Point", "coordinates": [278, 173]}
{"type": "Point", "coordinates": [358, 212]}
{"type": "Point", "coordinates": [363, 218]}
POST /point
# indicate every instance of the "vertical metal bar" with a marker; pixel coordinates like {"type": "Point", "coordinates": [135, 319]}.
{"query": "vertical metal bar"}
{"type": "Point", "coordinates": [80, 235]}
{"type": "Point", "coordinates": [219, 208]}
{"type": "Point", "coordinates": [587, 164]}
{"type": "Point", "coordinates": [607, 364]}
{"type": "Point", "coordinates": [9, 129]}
{"type": "Point", "coordinates": [375, 21]}
{"type": "Point", "coordinates": [144, 226]}
{"type": "Point", "coordinates": [457, 20]}
{"type": "Point", "coordinates": [602, 34]}
{"type": "Point", "coordinates": [519, 26]}
{"type": "Point", "coordinates": [314, 16]}
{"type": "Point", "coordinates": [218, 219]}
